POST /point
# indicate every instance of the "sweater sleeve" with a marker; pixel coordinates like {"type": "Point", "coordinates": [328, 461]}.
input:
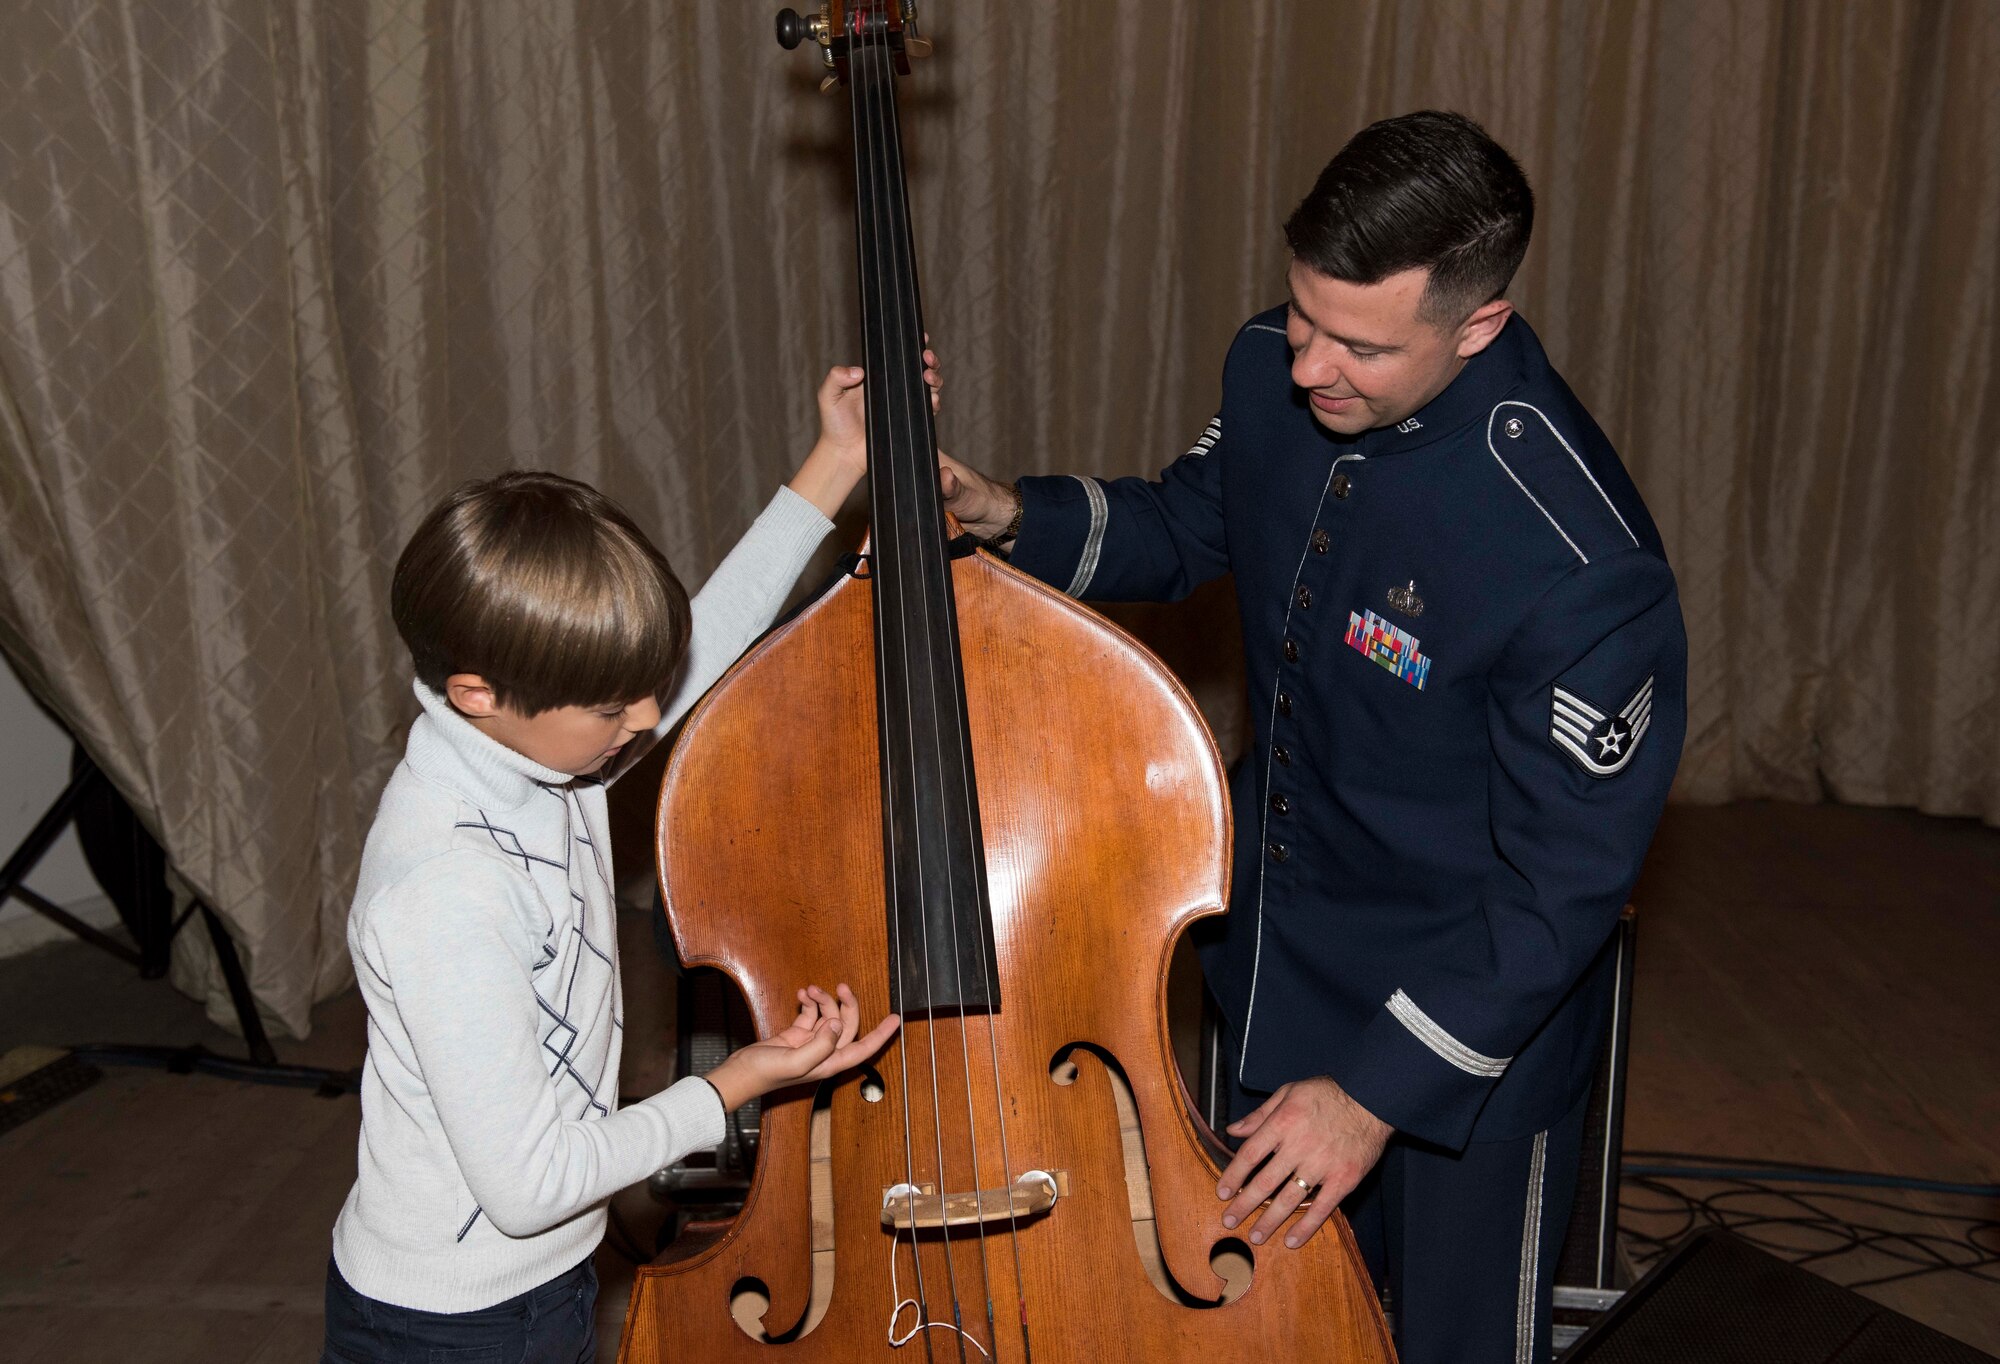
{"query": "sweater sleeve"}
{"type": "Point", "coordinates": [451, 937]}
{"type": "Point", "coordinates": [744, 595]}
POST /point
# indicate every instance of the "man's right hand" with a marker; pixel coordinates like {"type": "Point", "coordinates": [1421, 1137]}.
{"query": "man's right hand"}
{"type": "Point", "coordinates": [983, 506]}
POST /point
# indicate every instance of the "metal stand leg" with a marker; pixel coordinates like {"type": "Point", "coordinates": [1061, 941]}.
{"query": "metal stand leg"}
{"type": "Point", "coordinates": [46, 831]}
{"type": "Point", "coordinates": [239, 991]}
{"type": "Point", "coordinates": [84, 779]}
{"type": "Point", "coordinates": [263, 1064]}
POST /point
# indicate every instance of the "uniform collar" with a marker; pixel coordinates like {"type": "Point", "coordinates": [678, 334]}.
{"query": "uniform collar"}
{"type": "Point", "coordinates": [1488, 377]}
{"type": "Point", "coordinates": [450, 750]}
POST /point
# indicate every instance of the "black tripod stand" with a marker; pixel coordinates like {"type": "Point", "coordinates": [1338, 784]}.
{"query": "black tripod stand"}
{"type": "Point", "coordinates": [132, 869]}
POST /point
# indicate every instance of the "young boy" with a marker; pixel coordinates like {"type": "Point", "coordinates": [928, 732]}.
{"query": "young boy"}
{"type": "Point", "coordinates": [546, 632]}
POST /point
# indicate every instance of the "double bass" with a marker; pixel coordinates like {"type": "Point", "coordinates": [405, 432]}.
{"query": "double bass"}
{"type": "Point", "coordinates": [989, 809]}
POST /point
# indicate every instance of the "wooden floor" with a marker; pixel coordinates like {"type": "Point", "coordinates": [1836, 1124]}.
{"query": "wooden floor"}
{"type": "Point", "coordinates": [1815, 984]}
{"type": "Point", "coordinates": [1821, 985]}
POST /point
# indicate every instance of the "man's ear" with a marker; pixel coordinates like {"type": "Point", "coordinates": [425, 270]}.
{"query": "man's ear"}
{"type": "Point", "coordinates": [1476, 333]}
{"type": "Point", "coordinates": [470, 696]}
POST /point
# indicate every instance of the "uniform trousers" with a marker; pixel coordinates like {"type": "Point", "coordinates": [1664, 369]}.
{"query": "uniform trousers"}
{"type": "Point", "coordinates": [1462, 1245]}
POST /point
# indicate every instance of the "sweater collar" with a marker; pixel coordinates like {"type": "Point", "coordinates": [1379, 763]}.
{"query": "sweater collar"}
{"type": "Point", "coordinates": [449, 749]}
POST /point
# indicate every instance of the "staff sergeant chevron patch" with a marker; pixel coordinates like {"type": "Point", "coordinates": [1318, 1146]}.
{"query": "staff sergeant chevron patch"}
{"type": "Point", "coordinates": [1601, 745]}
{"type": "Point", "coordinates": [1210, 434]}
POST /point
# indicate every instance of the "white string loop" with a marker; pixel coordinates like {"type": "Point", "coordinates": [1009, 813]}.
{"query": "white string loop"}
{"type": "Point", "coordinates": [908, 1193]}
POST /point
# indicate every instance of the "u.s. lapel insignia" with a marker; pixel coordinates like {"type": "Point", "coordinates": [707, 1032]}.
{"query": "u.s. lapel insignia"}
{"type": "Point", "coordinates": [1601, 744]}
{"type": "Point", "coordinates": [1387, 647]}
{"type": "Point", "coordinates": [1406, 600]}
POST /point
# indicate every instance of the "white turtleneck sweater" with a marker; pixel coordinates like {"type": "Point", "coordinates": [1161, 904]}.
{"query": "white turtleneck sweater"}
{"type": "Point", "coordinates": [484, 936]}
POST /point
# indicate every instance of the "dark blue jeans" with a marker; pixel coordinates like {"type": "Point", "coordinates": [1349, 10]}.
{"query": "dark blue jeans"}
{"type": "Point", "coordinates": [554, 1323]}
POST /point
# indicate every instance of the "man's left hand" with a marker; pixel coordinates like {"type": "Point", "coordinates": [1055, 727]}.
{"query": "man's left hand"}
{"type": "Point", "coordinates": [1311, 1131]}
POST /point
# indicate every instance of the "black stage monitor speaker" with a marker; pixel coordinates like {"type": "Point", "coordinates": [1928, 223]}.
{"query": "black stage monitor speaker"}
{"type": "Point", "coordinates": [1716, 1299]}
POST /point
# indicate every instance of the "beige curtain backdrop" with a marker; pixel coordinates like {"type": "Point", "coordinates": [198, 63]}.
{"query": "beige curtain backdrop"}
{"type": "Point", "coordinates": [274, 274]}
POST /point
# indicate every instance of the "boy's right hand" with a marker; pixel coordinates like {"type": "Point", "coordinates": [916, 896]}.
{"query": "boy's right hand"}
{"type": "Point", "coordinates": [839, 458]}
{"type": "Point", "coordinates": [820, 1043]}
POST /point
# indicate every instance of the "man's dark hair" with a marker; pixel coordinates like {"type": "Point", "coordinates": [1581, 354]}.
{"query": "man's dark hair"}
{"type": "Point", "coordinates": [1428, 189]}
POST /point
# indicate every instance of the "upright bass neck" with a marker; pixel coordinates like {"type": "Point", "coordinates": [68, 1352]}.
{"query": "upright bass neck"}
{"type": "Point", "coordinates": [940, 922]}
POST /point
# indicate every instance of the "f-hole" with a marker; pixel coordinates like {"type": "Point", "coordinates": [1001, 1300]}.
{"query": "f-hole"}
{"type": "Point", "coordinates": [748, 1300]}
{"type": "Point", "coordinates": [1231, 1259]}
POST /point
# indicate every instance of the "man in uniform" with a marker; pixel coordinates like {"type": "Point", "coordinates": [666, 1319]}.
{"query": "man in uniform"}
{"type": "Point", "coordinates": [1467, 676]}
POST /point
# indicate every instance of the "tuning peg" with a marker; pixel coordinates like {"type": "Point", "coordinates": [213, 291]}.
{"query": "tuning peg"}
{"type": "Point", "coordinates": [794, 28]}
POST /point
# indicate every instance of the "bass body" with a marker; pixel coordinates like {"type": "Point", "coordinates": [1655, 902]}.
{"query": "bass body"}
{"type": "Point", "coordinates": [982, 805]}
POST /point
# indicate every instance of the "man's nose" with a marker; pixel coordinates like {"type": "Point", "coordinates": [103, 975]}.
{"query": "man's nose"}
{"type": "Point", "coordinates": [1314, 367]}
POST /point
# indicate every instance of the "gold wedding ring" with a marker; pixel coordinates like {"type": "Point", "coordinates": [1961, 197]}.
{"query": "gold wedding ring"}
{"type": "Point", "coordinates": [1303, 1184]}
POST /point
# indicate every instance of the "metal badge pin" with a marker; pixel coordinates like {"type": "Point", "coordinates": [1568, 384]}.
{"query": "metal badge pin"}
{"type": "Point", "coordinates": [1513, 427]}
{"type": "Point", "coordinates": [1406, 600]}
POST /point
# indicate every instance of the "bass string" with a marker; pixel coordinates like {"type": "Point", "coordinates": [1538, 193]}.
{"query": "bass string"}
{"type": "Point", "coordinates": [877, 441]}
{"type": "Point", "coordinates": [909, 515]}
{"type": "Point", "coordinates": [914, 463]}
{"type": "Point", "coordinates": [933, 521]}
{"type": "Point", "coordinates": [868, 62]}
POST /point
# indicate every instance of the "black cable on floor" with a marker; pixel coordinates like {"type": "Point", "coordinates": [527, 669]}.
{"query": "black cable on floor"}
{"type": "Point", "coordinates": [1822, 1228]}
{"type": "Point", "coordinates": [1750, 1167]}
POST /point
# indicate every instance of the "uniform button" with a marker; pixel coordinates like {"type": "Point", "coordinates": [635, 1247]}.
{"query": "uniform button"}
{"type": "Point", "coordinates": [1513, 428]}
{"type": "Point", "coordinates": [1341, 485]}
{"type": "Point", "coordinates": [1291, 652]}
{"type": "Point", "coordinates": [1280, 806]}
{"type": "Point", "coordinates": [1279, 852]}
{"type": "Point", "coordinates": [1304, 597]}
{"type": "Point", "coordinates": [1284, 703]}
{"type": "Point", "coordinates": [1281, 755]}
{"type": "Point", "coordinates": [1320, 541]}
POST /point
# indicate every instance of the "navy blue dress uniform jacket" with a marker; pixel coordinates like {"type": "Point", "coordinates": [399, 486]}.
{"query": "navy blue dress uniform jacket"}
{"type": "Point", "coordinates": [1467, 675]}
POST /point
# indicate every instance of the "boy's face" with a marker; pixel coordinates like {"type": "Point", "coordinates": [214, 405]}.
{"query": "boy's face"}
{"type": "Point", "coordinates": [578, 740]}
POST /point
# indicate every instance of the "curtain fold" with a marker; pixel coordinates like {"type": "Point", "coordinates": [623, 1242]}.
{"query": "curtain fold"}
{"type": "Point", "coordinates": [276, 274]}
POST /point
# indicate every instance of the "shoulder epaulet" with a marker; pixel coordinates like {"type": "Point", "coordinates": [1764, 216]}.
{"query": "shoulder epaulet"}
{"type": "Point", "coordinates": [1270, 320]}
{"type": "Point", "coordinates": [1248, 373]}
{"type": "Point", "coordinates": [1545, 463]}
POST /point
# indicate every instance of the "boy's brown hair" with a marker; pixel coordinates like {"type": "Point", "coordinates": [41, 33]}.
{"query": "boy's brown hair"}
{"type": "Point", "coordinates": [541, 586]}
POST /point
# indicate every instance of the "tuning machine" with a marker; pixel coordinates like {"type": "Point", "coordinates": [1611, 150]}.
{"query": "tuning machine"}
{"type": "Point", "coordinates": [794, 28]}
{"type": "Point", "coordinates": [914, 43]}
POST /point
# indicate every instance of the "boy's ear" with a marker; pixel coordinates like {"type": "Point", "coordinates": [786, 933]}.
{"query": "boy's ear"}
{"type": "Point", "coordinates": [470, 696]}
